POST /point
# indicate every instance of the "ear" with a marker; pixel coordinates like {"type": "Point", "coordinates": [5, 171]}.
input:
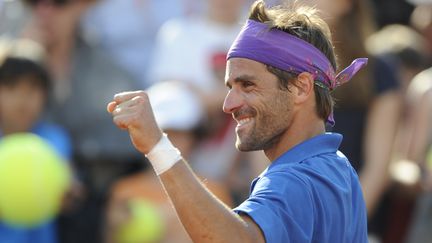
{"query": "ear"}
{"type": "Point", "coordinates": [304, 87]}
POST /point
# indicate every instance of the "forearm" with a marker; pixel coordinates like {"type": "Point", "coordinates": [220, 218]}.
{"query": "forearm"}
{"type": "Point", "coordinates": [205, 218]}
{"type": "Point", "coordinates": [419, 142]}
{"type": "Point", "coordinates": [379, 139]}
{"type": "Point", "coordinates": [374, 183]}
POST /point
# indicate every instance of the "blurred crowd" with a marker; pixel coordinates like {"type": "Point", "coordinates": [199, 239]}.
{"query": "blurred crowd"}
{"type": "Point", "coordinates": [61, 61]}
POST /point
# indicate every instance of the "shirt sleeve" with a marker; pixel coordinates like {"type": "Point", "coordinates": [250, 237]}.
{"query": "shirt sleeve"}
{"type": "Point", "coordinates": [281, 205]}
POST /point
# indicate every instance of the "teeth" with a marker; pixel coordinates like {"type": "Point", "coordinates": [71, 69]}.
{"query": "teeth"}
{"type": "Point", "coordinates": [243, 121]}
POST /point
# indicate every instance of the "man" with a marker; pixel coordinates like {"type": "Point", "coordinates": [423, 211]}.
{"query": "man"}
{"type": "Point", "coordinates": [279, 95]}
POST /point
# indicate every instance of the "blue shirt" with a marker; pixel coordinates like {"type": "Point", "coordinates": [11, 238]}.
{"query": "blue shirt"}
{"type": "Point", "coordinates": [309, 194]}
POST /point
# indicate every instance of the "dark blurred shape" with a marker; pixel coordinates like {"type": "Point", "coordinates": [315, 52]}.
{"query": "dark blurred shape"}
{"type": "Point", "coordinates": [14, 68]}
{"type": "Point", "coordinates": [392, 12]}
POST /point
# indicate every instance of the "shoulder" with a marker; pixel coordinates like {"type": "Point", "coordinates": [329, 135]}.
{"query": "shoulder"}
{"type": "Point", "coordinates": [281, 206]}
{"type": "Point", "coordinates": [50, 130]}
{"type": "Point", "coordinates": [284, 181]}
{"type": "Point", "coordinates": [56, 136]}
{"type": "Point", "coordinates": [323, 180]}
{"type": "Point", "coordinates": [281, 192]}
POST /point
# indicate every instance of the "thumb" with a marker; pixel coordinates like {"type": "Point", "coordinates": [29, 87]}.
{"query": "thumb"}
{"type": "Point", "coordinates": [111, 106]}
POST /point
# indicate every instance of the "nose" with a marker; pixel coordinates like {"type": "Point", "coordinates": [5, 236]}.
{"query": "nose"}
{"type": "Point", "coordinates": [232, 101]}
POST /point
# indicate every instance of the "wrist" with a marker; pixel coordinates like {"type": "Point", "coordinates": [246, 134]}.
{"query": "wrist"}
{"type": "Point", "coordinates": [156, 139]}
{"type": "Point", "coordinates": [163, 155]}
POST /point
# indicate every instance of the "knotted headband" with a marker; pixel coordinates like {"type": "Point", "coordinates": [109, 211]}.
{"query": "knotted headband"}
{"type": "Point", "coordinates": [287, 52]}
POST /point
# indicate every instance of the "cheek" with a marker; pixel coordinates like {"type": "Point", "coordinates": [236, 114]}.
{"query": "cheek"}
{"type": "Point", "coordinates": [25, 106]}
{"type": "Point", "coordinates": [34, 103]}
{"type": "Point", "coordinates": [265, 105]}
{"type": "Point", "coordinates": [8, 102]}
{"type": "Point", "coordinates": [277, 103]}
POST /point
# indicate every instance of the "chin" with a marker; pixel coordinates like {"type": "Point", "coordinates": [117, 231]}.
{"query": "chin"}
{"type": "Point", "coordinates": [244, 147]}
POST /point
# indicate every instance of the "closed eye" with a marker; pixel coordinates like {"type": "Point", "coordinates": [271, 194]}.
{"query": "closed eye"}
{"type": "Point", "coordinates": [246, 84]}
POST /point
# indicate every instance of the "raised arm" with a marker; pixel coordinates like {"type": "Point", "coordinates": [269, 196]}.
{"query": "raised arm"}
{"type": "Point", "coordinates": [380, 131]}
{"type": "Point", "coordinates": [205, 218]}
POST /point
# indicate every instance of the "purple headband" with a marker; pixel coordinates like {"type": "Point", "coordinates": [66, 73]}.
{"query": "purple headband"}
{"type": "Point", "coordinates": [287, 52]}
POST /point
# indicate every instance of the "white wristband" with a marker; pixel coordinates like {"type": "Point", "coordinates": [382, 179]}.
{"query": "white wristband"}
{"type": "Point", "coordinates": [163, 155]}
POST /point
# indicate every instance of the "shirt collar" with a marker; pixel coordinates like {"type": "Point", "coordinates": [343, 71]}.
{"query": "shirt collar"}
{"type": "Point", "coordinates": [321, 144]}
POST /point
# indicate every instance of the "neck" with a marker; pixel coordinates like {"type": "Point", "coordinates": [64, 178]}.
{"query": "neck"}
{"type": "Point", "coordinates": [7, 130]}
{"type": "Point", "coordinates": [59, 55]}
{"type": "Point", "coordinates": [297, 133]}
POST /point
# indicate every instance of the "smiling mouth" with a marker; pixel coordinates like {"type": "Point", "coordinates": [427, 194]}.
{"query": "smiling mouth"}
{"type": "Point", "coordinates": [244, 121]}
{"type": "Point", "coordinates": [244, 117]}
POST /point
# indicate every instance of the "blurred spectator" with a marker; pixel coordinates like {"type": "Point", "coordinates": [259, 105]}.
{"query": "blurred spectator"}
{"type": "Point", "coordinates": [406, 49]}
{"type": "Point", "coordinates": [24, 90]}
{"type": "Point", "coordinates": [419, 141]}
{"type": "Point", "coordinates": [402, 46]}
{"type": "Point", "coordinates": [84, 77]}
{"type": "Point", "coordinates": [193, 50]}
{"type": "Point", "coordinates": [127, 29]}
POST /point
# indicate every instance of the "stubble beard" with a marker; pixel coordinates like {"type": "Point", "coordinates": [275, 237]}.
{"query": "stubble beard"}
{"type": "Point", "coordinates": [262, 136]}
{"type": "Point", "coordinates": [268, 127]}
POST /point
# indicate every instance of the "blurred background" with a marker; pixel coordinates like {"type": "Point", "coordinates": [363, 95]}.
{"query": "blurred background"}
{"type": "Point", "coordinates": [61, 62]}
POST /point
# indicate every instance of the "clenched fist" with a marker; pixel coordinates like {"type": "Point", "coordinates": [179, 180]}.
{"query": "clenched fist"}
{"type": "Point", "coordinates": [132, 111]}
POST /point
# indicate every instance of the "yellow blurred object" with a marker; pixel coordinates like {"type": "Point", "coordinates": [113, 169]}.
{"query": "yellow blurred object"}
{"type": "Point", "coordinates": [145, 224]}
{"type": "Point", "coordinates": [429, 159]}
{"type": "Point", "coordinates": [33, 180]}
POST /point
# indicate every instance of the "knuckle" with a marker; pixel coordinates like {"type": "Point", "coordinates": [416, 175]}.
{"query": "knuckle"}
{"type": "Point", "coordinates": [118, 95]}
{"type": "Point", "coordinates": [143, 94]}
{"type": "Point", "coordinates": [117, 111]}
{"type": "Point", "coordinates": [139, 100]}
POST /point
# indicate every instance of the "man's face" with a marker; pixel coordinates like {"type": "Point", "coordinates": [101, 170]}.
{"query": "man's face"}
{"type": "Point", "coordinates": [262, 110]}
{"type": "Point", "coordinates": [20, 105]}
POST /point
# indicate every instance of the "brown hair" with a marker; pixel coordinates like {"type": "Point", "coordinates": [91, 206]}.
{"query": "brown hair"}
{"type": "Point", "coordinates": [302, 22]}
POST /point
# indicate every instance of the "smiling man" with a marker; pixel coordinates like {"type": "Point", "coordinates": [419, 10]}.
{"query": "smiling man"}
{"type": "Point", "coordinates": [280, 71]}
